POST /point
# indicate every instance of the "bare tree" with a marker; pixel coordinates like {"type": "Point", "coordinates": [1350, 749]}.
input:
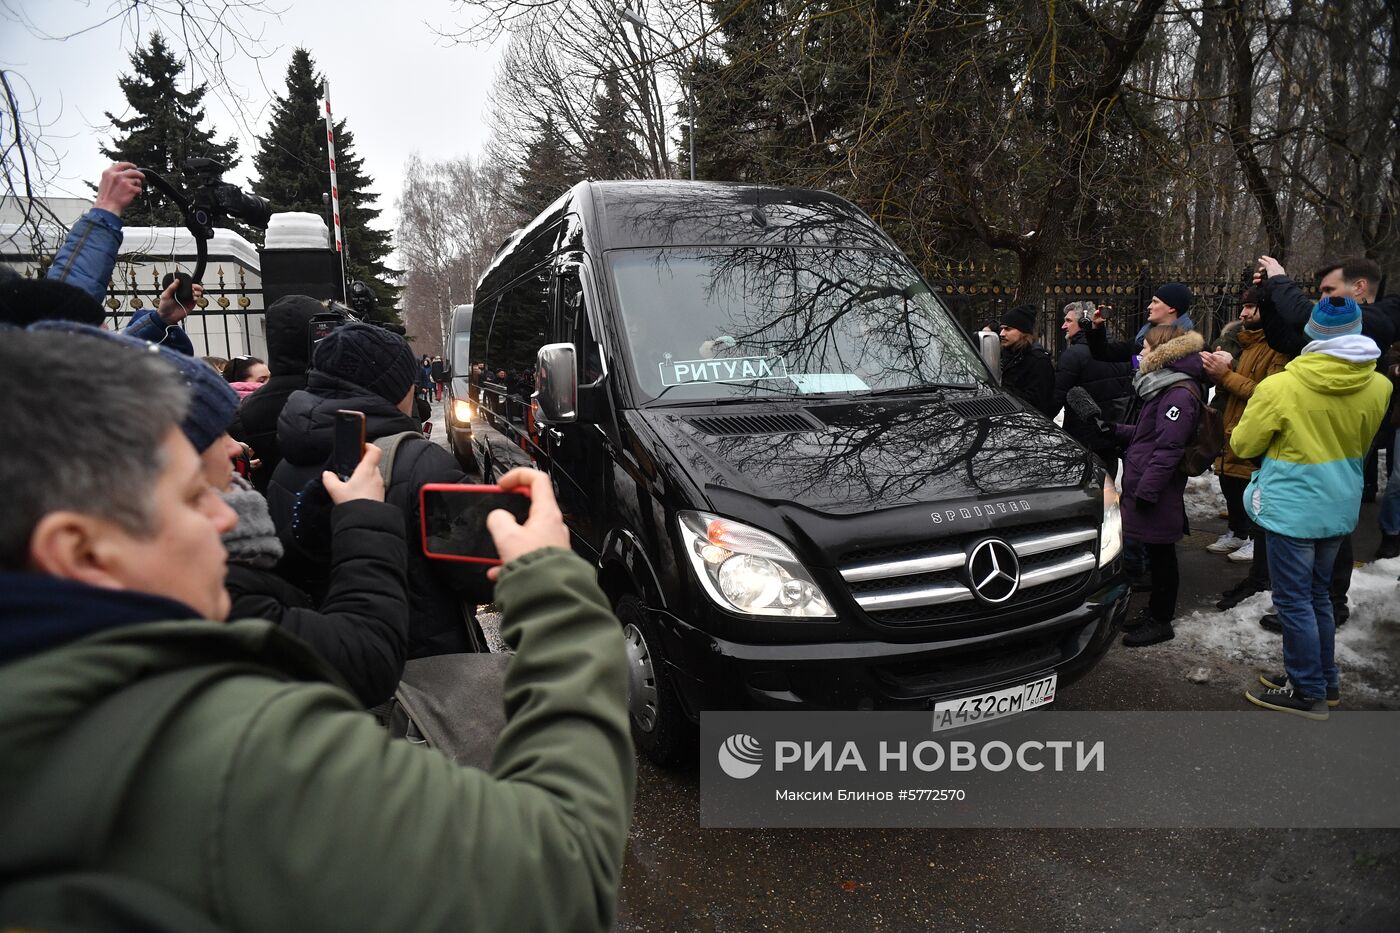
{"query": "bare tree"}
{"type": "Point", "coordinates": [562, 52]}
{"type": "Point", "coordinates": [208, 34]}
{"type": "Point", "coordinates": [452, 217]}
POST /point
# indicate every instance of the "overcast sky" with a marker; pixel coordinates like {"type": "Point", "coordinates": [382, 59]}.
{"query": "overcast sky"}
{"type": "Point", "coordinates": [397, 84]}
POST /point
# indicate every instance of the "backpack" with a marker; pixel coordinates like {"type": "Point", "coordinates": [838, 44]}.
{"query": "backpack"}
{"type": "Point", "coordinates": [54, 826]}
{"type": "Point", "coordinates": [309, 535]}
{"type": "Point", "coordinates": [389, 448]}
{"type": "Point", "coordinates": [1209, 438]}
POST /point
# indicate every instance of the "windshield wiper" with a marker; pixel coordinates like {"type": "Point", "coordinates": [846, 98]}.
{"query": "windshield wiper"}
{"type": "Point", "coordinates": [698, 402]}
{"type": "Point", "coordinates": [919, 389]}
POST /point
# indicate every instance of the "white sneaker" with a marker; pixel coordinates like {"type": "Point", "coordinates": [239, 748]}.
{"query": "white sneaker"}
{"type": "Point", "coordinates": [1226, 543]}
{"type": "Point", "coordinates": [1245, 553]}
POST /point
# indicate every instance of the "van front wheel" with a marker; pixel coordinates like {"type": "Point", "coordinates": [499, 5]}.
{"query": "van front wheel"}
{"type": "Point", "coordinates": [659, 728]}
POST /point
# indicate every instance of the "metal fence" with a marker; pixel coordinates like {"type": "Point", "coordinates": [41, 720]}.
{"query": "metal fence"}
{"type": "Point", "coordinates": [978, 293]}
{"type": "Point", "coordinates": [228, 320]}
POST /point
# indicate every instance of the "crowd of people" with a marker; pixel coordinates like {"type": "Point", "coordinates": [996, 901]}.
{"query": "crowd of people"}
{"type": "Point", "coordinates": [1303, 393]}
{"type": "Point", "coordinates": [165, 764]}
{"type": "Point", "coordinates": [182, 773]}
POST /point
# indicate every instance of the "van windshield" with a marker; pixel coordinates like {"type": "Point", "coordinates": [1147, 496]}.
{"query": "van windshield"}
{"type": "Point", "coordinates": [736, 322]}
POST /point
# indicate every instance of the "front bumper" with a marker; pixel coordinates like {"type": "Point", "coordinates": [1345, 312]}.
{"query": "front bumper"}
{"type": "Point", "coordinates": [461, 434]}
{"type": "Point", "coordinates": [713, 673]}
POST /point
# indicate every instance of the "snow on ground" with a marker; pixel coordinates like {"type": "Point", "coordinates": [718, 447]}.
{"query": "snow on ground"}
{"type": "Point", "coordinates": [1368, 646]}
{"type": "Point", "coordinates": [439, 423]}
{"type": "Point", "coordinates": [1203, 498]}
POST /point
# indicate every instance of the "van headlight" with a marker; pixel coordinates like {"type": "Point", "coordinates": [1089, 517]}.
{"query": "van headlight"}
{"type": "Point", "coordinates": [1111, 533]}
{"type": "Point", "coordinates": [462, 411]}
{"type": "Point", "coordinates": [748, 570]}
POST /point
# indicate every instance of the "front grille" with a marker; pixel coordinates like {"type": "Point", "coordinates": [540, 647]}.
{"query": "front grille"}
{"type": "Point", "coordinates": [926, 583]}
{"type": "Point", "coordinates": [1025, 600]}
{"type": "Point", "coordinates": [730, 425]}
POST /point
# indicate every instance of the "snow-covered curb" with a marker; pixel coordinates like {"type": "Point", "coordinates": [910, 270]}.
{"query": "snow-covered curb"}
{"type": "Point", "coordinates": [1368, 646]}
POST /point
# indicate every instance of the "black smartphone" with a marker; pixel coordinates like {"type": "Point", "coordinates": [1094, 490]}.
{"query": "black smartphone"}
{"type": "Point", "coordinates": [349, 446]}
{"type": "Point", "coordinates": [454, 520]}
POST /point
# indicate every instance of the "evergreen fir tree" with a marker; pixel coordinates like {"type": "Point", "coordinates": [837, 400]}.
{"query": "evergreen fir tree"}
{"type": "Point", "coordinates": [168, 127]}
{"type": "Point", "coordinates": [550, 168]}
{"type": "Point", "coordinates": [612, 150]}
{"type": "Point", "coordinates": [293, 173]}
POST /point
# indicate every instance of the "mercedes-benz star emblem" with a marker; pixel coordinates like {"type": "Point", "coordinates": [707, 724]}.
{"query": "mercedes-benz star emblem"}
{"type": "Point", "coordinates": [993, 571]}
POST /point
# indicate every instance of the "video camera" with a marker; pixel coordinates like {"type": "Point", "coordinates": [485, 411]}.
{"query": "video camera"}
{"type": "Point", "coordinates": [336, 315]}
{"type": "Point", "coordinates": [362, 298]}
{"type": "Point", "coordinates": [212, 199]}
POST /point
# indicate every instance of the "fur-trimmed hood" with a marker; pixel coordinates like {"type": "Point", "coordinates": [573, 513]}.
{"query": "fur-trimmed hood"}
{"type": "Point", "coordinates": [1178, 348]}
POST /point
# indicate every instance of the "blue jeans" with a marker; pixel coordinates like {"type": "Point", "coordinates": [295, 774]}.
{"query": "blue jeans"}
{"type": "Point", "coordinates": [1390, 502]}
{"type": "Point", "coordinates": [1301, 571]}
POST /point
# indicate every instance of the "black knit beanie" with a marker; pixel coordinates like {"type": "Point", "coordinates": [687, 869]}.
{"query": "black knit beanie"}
{"type": "Point", "coordinates": [370, 357]}
{"type": "Point", "coordinates": [1021, 317]}
{"type": "Point", "coordinates": [1176, 295]}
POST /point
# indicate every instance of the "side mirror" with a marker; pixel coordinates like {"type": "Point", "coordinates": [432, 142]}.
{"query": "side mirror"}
{"type": "Point", "coordinates": [989, 345]}
{"type": "Point", "coordinates": [556, 384]}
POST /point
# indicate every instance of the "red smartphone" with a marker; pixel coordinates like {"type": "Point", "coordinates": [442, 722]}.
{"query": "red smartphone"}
{"type": "Point", "coordinates": [349, 442]}
{"type": "Point", "coordinates": [453, 518]}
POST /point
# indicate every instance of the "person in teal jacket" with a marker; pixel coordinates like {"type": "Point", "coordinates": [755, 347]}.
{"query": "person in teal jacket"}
{"type": "Point", "coordinates": [1312, 426]}
{"type": "Point", "coordinates": [268, 800]}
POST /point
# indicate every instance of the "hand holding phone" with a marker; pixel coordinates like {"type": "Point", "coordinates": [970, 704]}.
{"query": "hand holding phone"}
{"type": "Point", "coordinates": [1098, 316]}
{"type": "Point", "coordinates": [1268, 268]}
{"type": "Point", "coordinates": [364, 483]}
{"type": "Point", "coordinates": [543, 528]}
{"type": "Point", "coordinates": [349, 443]}
{"type": "Point", "coordinates": [455, 520]}
{"type": "Point", "coordinates": [492, 525]}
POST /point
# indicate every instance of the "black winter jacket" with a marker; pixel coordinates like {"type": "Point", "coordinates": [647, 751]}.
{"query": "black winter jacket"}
{"type": "Point", "coordinates": [437, 623]}
{"type": "Point", "coordinates": [1031, 375]}
{"type": "Point", "coordinates": [1110, 384]}
{"type": "Point", "coordinates": [1285, 310]}
{"type": "Point", "coordinates": [361, 626]}
{"type": "Point", "coordinates": [288, 348]}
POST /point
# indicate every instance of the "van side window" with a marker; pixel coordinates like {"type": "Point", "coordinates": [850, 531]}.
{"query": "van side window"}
{"type": "Point", "coordinates": [517, 333]}
{"type": "Point", "coordinates": [575, 327]}
{"type": "Point", "coordinates": [482, 315]}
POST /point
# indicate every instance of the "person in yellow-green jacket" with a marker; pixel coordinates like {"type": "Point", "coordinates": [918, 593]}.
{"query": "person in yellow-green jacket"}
{"type": "Point", "coordinates": [193, 775]}
{"type": "Point", "coordinates": [1312, 426]}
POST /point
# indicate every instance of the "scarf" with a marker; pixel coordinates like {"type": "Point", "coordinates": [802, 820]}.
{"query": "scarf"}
{"type": "Point", "coordinates": [253, 541]}
{"type": "Point", "coordinates": [1149, 384]}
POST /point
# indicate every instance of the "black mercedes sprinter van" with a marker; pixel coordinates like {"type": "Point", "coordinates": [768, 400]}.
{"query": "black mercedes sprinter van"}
{"type": "Point", "coordinates": [795, 473]}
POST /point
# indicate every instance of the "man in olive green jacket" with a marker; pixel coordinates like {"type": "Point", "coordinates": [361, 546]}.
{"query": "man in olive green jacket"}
{"type": "Point", "coordinates": [269, 800]}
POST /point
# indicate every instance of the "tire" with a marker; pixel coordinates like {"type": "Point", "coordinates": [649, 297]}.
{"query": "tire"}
{"type": "Point", "coordinates": [660, 728]}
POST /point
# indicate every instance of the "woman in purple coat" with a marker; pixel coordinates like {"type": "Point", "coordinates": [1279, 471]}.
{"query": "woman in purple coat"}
{"type": "Point", "coordinates": [1168, 385]}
